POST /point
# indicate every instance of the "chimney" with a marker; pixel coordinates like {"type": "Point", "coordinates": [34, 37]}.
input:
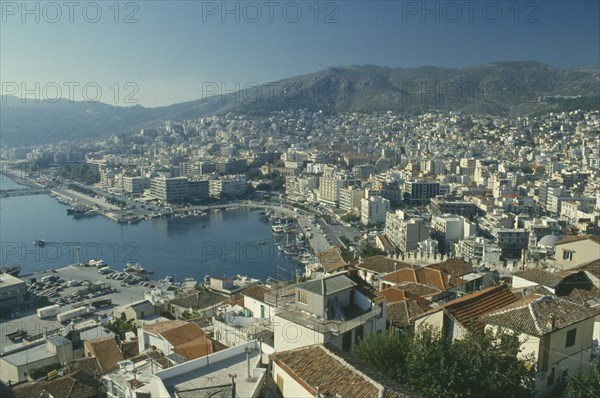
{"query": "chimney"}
{"type": "Point", "coordinates": [551, 322]}
{"type": "Point", "coordinates": [323, 286]}
{"type": "Point", "coordinates": [248, 376]}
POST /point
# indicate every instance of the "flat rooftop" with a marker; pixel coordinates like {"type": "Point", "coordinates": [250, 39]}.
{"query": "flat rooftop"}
{"type": "Point", "coordinates": [217, 373]}
{"type": "Point", "coordinates": [30, 355]}
{"type": "Point", "coordinates": [9, 280]}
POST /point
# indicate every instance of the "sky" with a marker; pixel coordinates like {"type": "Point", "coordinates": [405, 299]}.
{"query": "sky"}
{"type": "Point", "coordinates": [156, 53]}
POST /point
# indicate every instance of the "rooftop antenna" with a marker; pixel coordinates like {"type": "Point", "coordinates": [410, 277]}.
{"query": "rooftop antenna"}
{"type": "Point", "coordinates": [233, 377]}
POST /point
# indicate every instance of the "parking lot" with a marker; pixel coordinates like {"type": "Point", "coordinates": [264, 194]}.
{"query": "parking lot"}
{"type": "Point", "coordinates": [60, 289]}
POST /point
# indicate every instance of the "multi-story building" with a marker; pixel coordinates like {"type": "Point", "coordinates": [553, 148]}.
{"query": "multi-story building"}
{"type": "Point", "coordinates": [452, 205]}
{"type": "Point", "coordinates": [135, 185]}
{"type": "Point", "coordinates": [420, 192]}
{"type": "Point", "coordinates": [199, 189]}
{"type": "Point", "coordinates": [478, 250]}
{"type": "Point", "coordinates": [330, 309]}
{"type": "Point", "coordinates": [301, 187]}
{"type": "Point", "coordinates": [169, 189]}
{"type": "Point", "coordinates": [373, 210]}
{"type": "Point", "coordinates": [329, 189]}
{"type": "Point", "coordinates": [350, 199]}
{"type": "Point", "coordinates": [405, 234]}
{"type": "Point", "coordinates": [512, 241]}
{"type": "Point", "coordinates": [232, 185]}
{"type": "Point", "coordinates": [449, 229]}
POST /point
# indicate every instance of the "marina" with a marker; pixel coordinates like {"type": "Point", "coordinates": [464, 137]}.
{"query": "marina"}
{"type": "Point", "coordinates": [218, 242]}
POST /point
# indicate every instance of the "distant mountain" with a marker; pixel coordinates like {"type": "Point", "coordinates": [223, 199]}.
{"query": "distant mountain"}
{"type": "Point", "coordinates": [499, 88]}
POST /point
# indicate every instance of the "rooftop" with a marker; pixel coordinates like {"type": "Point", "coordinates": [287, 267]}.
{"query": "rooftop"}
{"type": "Point", "coordinates": [571, 239]}
{"type": "Point", "coordinates": [381, 264]}
{"type": "Point", "coordinates": [214, 371]}
{"type": "Point", "coordinates": [539, 315]}
{"type": "Point", "coordinates": [106, 351]}
{"type": "Point", "coordinates": [256, 292]}
{"type": "Point", "coordinates": [29, 355]}
{"type": "Point", "coordinates": [9, 280]}
{"type": "Point", "coordinates": [469, 309]}
{"type": "Point", "coordinates": [329, 284]}
{"type": "Point", "coordinates": [332, 260]}
{"type": "Point", "coordinates": [323, 368]}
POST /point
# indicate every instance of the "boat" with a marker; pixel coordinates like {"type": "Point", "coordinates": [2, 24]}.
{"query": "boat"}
{"type": "Point", "coordinates": [136, 268]}
{"type": "Point", "coordinates": [39, 242]}
{"type": "Point", "coordinates": [80, 211]}
{"type": "Point", "coordinates": [278, 229]}
{"type": "Point", "coordinates": [13, 271]}
{"type": "Point", "coordinates": [260, 242]}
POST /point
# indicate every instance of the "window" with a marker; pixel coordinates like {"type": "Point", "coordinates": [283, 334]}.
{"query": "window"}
{"type": "Point", "coordinates": [571, 335]}
{"type": "Point", "coordinates": [567, 255]}
{"type": "Point", "coordinates": [302, 297]}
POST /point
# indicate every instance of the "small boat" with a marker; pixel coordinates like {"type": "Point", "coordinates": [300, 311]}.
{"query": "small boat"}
{"type": "Point", "coordinates": [260, 242]}
{"type": "Point", "coordinates": [278, 229]}
{"type": "Point", "coordinates": [136, 268]}
{"type": "Point", "coordinates": [39, 242]}
{"type": "Point", "coordinates": [202, 226]}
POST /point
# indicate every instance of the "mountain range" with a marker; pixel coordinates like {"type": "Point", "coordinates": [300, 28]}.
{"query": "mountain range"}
{"type": "Point", "coordinates": [499, 88]}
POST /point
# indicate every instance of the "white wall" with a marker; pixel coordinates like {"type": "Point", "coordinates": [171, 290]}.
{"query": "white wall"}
{"type": "Point", "coordinates": [291, 388]}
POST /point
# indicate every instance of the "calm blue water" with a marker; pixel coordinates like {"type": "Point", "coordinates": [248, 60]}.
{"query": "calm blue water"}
{"type": "Point", "coordinates": [180, 247]}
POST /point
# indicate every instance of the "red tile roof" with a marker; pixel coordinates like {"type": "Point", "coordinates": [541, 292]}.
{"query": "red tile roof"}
{"type": "Point", "coordinates": [332, 260]}
{"type": "Point", "coordinates": [539, 315]}
{"type": "Point", "coordinates": [325, 367]}
{"type": "Point", "coordinates": [469, 309]}
{"type": "Point", "coordinates": [106, 351]}
{"type": "Point", "coordinates": [256, 292]}
{"type": "Point", "coordinates": [381, 264]}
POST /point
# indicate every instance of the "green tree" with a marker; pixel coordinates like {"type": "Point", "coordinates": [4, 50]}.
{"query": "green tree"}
{"type": "Point", "coordinates": [586, 386]}
{"type": "Point", "coordinates": [121, 325]}
{"type": "Point", "coordinates": [369, 250]}
{"type": "Point", "coordinates": [482, 364]}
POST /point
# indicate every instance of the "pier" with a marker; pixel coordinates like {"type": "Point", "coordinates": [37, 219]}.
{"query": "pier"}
{"type": "Point", "coordinates": [4, 193]}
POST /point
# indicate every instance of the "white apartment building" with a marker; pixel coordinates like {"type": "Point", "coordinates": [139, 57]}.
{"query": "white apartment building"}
{"type": "Point", "coordinates": [373, 210]}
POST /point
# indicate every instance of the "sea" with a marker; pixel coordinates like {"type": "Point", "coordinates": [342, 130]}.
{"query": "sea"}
{"type": "Point", "coordinates": [225, 243]}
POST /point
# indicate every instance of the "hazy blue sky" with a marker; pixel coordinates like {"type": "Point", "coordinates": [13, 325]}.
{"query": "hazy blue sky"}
{"type": "Point", "coordinates": [169, 50]}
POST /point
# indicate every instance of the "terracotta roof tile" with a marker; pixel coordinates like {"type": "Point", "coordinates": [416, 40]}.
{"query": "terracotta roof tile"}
{"type": "Point", "coordinates": [469, 309]}
{"type": "Point", "coordinates": [392, 294]}
{"type": "Point", "coordinates": [159, 327]}
{"type": "Point", "coordinates": [381, 264]}
{"type": "Point", "coordinates": [539, 315]}
{"type": "Point", "coordinates": [332, 260]}
{"type": "Point", "coordinates": [256, 292]}
{"type": "Point", "coordinates": [401, 312]}
{"type": "Point", "coordinates": [419, 289]}
{"type": "Point", "coordinates": [183, 334]}
{"type": "Point", "coordinates": [106, 351]}
{"type": "Point", "coordinates": [323, 367]}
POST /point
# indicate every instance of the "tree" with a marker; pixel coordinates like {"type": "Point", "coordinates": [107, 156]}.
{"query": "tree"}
{"type": "Point", "coordinates": [121, 325]}
{"type": "Point", "coordinates": [483, 364]}
{"type": "Point", "coordinates": [369, 250]}
{"type": "Point", "coordinates": [586, 386]}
